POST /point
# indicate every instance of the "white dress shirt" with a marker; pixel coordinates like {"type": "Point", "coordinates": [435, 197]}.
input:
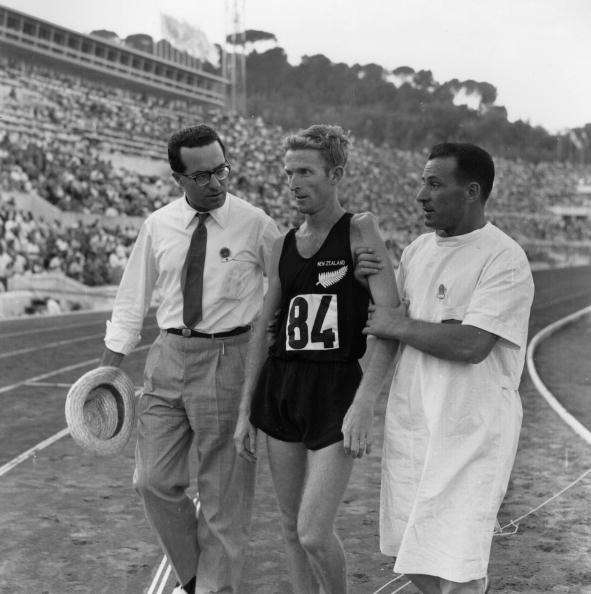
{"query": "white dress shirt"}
{"type": "Point", "coordinates": [239, 241]}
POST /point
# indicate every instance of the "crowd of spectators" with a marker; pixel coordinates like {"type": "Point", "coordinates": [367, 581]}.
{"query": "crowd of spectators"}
{"type": "Point", "coordinates": [75, 177]}
{"type": "Point", "coordinates": [91, 254]}
{"type": "Point", "coordinates": [64, 126]}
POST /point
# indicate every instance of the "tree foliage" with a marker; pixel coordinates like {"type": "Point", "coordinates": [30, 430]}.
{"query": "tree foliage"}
{"type": "Point", "coordinates": [402, 107]}
{"type": "Point", "coordinates": [250, 36]}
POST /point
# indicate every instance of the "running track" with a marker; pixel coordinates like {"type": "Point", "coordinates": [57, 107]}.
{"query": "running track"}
{"type": "Point", "coordinates": [39, 357]}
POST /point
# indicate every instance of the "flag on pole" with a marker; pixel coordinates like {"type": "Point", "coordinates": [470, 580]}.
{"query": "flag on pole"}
{"type": "Point", "coordinates": [186, 37]}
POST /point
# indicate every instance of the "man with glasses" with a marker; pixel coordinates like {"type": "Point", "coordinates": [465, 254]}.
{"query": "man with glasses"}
{"type": "Point", "coordinates": [205, 253]}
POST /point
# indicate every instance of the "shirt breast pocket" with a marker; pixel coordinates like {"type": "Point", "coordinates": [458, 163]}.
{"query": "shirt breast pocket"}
{"type": "Point", "coordinates": [236, 279]}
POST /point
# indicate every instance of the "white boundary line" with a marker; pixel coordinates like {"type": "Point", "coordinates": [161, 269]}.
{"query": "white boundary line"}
{"type": "Point", "coordinates": [4, 389]}
{"type": "Point", "coordinates": [63, 314]}
{"type": "Point", "coordinates": [36, 378]}
{"type": "Point", "coordinates": [40, 446]}
{"type": "Point", "coordinates": [569, 419]}
{"type": "Point", "coordinates": [47, 442]}
{"type": "Point", "coordinates": [164, 579]}
{"type": "Point", "coordinates": [50, 345]}
{"type": "Point", "coordinates": [157, 575]}
{"type": "Point", "coordinates": [165, 565]}
{"type": "Point", "coordinates": [50, 329]}
{"type": "Point", "coordinates": [48, 385]}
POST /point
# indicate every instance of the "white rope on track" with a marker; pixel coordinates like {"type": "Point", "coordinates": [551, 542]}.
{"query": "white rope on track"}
{"type": "Point", "coordinates": [389, 583]}
{"type": "Point", "coordinates": [569, 419]}
{"type": "Point", "coordinates": [514, 524]}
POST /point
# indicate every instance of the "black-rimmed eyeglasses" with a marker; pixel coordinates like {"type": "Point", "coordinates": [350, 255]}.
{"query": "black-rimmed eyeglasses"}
{"type": "Point", "coordinates": [202, 178]}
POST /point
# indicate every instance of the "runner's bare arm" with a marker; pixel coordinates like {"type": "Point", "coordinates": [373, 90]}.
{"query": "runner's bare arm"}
{"type": "Point", "coordinates": [357, 425]}
{"type": "Point", "coordinates": [245, 433]}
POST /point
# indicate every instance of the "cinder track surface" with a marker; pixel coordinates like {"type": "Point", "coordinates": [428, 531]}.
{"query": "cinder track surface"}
{"type": "Point", "coordinates": [70, 522]}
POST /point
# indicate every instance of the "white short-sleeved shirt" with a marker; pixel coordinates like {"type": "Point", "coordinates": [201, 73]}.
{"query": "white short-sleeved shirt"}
{"type": "Point", "coordinates": [240, 237]}
{"type": "Point", "coordinates": [452, 428]}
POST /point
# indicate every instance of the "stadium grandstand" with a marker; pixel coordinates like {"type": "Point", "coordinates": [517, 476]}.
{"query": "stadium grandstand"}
{"type": "Point", "coordinates": [84, 122]}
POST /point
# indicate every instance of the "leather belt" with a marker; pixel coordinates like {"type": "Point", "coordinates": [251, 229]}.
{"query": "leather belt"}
{"type": "Point", "coordinates": [188, 333]}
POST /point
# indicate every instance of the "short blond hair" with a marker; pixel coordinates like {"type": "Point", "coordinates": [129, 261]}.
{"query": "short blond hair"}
{"type": "Point", "coordinates": [331, 141]}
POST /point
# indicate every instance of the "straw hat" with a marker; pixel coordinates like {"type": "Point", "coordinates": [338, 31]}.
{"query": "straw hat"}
{"type": "Point", "coordinates": [100, 410]}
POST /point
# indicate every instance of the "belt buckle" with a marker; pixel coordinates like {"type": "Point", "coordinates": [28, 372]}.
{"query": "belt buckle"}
{"type": "Point", "coordinates": [186, 332]}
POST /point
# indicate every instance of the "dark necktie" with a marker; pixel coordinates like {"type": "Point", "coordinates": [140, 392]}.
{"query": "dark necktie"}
{"type": "Point", "coordinates": [192, 277]}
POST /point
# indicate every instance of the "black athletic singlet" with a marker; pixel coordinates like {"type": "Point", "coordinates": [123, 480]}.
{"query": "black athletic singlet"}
{"type": "Point", "coordinates": [323, 307]}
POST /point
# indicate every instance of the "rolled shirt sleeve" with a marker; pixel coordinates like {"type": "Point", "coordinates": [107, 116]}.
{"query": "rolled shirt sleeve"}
{"type": "Point", "coordinates": [133, 296]}
{"type": "Point", "coordinates": [267, 237]}
{"type": "Point", "coordinates": [503, 297]}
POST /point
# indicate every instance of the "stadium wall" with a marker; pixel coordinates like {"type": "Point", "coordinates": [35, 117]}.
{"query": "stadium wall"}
{"type": "Point", "coordinates": [68, 293]}
{"type": "Point", "coordinates": [40, 40]}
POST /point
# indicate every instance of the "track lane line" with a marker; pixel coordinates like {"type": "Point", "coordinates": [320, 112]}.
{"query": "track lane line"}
{"type": "Point", "coordinates": [48, 374]}
{"type": "Point", "coordinates": [27, 454]}
{"type": "Point", "coordinates": [164, 579]}
{"type": "Point", "coordinates": [157, 575]}
{"type": "Point", "coordinates": [165, 565]}
{"type": "Point", "coordinates": [48, 345]}
{"type": "Point", "coordinates": [569, 419]}
{"type": "Point", "coordinates": [36, 378]}
{"type": "Point", "coordinates": [48, 385]}
{"type": "Point", "coordinates": [40, 446]}
{"type": "Point", "coordinates": [49, 329]}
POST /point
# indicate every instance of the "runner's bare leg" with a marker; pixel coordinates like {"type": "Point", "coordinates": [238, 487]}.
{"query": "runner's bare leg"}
{"type": "Point", "coordinates": [327, 477]}
{"type": "Point", "coordinates": [288, 469]}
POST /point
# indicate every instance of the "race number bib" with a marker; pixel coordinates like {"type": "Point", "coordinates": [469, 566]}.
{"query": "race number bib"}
{"type": "Point", "coordinates": [312, 323]}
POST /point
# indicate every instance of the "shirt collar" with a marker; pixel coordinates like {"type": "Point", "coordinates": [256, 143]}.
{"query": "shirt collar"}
{"type": "Point", "coordinates": [219, 215]}
{"type": "Point", "coordinates": [457, 240]}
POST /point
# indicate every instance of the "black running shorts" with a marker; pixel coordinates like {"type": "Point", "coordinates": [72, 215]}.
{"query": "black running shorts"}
{"type": "Point", "coordinates": [304, 401]}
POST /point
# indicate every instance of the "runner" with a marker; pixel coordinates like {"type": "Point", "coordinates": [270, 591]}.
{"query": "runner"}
{"type": "Point", "coordinates": [309, 397]}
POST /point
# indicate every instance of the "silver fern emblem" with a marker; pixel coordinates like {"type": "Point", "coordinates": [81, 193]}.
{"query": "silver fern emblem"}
{"type": "Point", "coordinates": [332, 277]}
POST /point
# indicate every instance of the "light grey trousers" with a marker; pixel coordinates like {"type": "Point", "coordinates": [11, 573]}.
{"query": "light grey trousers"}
{"type": "Point", "coordinates": [191, 392]}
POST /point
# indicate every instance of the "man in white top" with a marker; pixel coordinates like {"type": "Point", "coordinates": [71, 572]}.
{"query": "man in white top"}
{"type": "Point", "coordinates": [454, 413]}
{"type": "Point", "coordinates": [205, 253]}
